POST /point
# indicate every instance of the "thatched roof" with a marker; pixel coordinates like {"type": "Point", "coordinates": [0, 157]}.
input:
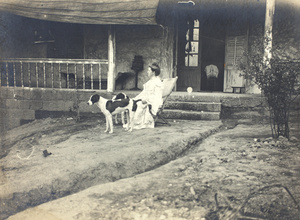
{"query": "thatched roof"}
{"type": "Point", "coordinates": [85, 11]}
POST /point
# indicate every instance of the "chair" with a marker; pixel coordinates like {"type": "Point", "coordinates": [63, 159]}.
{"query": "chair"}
{"type": "Point", "coordinates": [169, 85]}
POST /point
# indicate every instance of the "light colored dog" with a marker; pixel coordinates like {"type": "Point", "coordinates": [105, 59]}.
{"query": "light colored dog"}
{"type": "Point", "coordinates": [113, 107]}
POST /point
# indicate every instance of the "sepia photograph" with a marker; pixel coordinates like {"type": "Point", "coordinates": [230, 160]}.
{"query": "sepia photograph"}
{"type": "Point", "coordinates": [149, 110]}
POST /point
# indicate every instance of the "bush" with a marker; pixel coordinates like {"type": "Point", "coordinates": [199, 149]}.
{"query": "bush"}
{"type": "Point", "coordinates": [279, 81]}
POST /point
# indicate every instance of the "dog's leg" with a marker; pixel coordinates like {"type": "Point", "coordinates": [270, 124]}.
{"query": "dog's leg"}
{"type": "Point", "coordinates": [127, 124]}
{"type": "Point", "coordinates": [116, 119]}
{"type": "Point", "coordinates": [110, 124]}
{"type": "Point", "coordinates": [130, 121]}
{"type": "Point", "coordinates": [106, 123]}
{"type": "Point", "coordinates": [123, 116]}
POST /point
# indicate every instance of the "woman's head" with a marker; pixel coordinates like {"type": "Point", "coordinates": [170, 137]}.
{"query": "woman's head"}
{"type": "Point", "coordinates": [154, 68]}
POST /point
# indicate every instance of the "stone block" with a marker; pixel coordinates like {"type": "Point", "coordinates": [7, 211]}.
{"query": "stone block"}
{"type": "Point", "coordinates": [67, 95]}
{"type": "Point", "coordinates": [2, 103]}
{"type": "Point", "coordinates": [58, 105]}
{"type": "Point", "coordinates": [31, 104]}
{"type": "Point", "coordinates": [6, 93]}
{"type": "Point", "coordinates": [49, 95]}
{"type": "Point", "coordinates": [7, 123]}
{"type": "Point", "coordinates": [36, 94]}
{"type": "Point", "coordinates": [22, 93]}
{"type": "Point", "coordinates": [84, 107]}
{"type": "Point", "coordinates": [12, 104]}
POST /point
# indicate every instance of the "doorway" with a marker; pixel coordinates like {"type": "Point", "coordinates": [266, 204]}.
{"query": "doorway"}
{"type": "Point", "coordinates": [200, 56]}
{"type": "Point", "coordinates": [213, 58]}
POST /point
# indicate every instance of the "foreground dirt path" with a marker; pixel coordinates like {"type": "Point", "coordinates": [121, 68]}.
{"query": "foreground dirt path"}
{"type": "Point", "coordinates": [80, 155]}
{"type": "Point", "coordinates": [235, 174]}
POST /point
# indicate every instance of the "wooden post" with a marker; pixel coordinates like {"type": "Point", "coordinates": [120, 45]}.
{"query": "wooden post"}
{"type": "Point", "coordinates": [270, 9]}
{"type": "Point", "coordinates": [111, 59]}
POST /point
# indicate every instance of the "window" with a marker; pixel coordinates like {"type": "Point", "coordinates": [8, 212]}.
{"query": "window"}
{"type": "Point", "coordinates": [192, 44]}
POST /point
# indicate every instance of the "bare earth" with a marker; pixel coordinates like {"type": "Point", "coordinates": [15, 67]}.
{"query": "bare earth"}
{"type": "Point", "coordinates": [191, 170]}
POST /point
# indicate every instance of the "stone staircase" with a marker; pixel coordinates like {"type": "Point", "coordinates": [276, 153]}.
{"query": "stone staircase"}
{"type": "Point", "coordinates": [192, 108]}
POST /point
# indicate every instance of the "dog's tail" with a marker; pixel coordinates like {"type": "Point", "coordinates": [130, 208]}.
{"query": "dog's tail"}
{"type": "Point", "coordinates": [134, 106]}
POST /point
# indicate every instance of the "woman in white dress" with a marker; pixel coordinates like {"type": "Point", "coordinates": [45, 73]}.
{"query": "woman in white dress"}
{"type": "Point", "coordinates": [150, 99]}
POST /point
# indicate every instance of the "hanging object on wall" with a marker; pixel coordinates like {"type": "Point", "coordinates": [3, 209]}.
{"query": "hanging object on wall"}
{"type": "Point", "coordinates": [186, 3]}
{"type": "Point", "coordinates": [137, 66]}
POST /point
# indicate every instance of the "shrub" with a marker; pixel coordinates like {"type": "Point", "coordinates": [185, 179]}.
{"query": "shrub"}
{"type": "Point", "coordinates": [279, 81]}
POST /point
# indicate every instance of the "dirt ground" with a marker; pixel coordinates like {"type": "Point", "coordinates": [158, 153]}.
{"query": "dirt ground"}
{"type": "Point", "coordinates": [230, 171]}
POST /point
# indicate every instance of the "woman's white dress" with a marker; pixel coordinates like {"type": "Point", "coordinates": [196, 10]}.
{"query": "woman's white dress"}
{"type": "Point", "coordinates": [152, 94]}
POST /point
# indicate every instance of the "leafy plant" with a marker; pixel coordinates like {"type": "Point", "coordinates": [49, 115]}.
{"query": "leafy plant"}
{"type": "Point", "coordinates": [278, 79]}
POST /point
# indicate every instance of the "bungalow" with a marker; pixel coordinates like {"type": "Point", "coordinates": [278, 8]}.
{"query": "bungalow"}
{"type": "Point", "coordinates": [93, 45]}
{"type": "Point", "coordinates": [107, 45]}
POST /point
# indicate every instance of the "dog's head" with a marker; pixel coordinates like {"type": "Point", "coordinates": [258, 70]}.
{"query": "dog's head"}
{"type": "Point", "coordinates": [93, 99]}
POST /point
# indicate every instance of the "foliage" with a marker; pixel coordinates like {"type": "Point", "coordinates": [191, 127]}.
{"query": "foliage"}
{"type": "Point", "coordinates": [279, 81]}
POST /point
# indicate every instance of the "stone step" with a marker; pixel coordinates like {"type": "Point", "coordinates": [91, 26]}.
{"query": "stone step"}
{"type": "Point", "coordinates": [207, 97]}
{"type": "Point", "coordinates": [194, 106]}
{"type": "Point", "coordinates": [190, 115]}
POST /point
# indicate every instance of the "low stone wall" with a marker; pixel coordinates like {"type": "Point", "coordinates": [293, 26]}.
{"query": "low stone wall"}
{"type": "Point", "coordinates": [22, 105]}
{"type": "Point", "coordinates": [245, 107]}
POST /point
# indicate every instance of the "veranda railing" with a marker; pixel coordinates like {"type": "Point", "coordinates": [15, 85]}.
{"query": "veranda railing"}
{"type": "Point", "coordinates": [54, 73]}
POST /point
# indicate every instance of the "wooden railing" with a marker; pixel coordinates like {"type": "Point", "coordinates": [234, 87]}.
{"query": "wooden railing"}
{"type": "Point", "coordinates": [54, 73]}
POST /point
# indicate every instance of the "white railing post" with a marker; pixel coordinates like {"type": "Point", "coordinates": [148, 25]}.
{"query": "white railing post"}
{"type": "Point", "coordinates": [22, 74]}
{"type": "Point", "coordinates": [36, 75]}
{"type": "Point", "coordinates": [83, 77]}
{"type": "Point", "coordinates": [52, 75]}
{"type": "Point", "coordinates": [99, 75]}
{"type": "Point", "coordinates": [0, 74]}
{"type": "Point", "coordinates": [44, 70]}
{"type": "Point", "coordinates": [75, 72]}
{"type": "Point", "coordinates": [29, 75]}
{"type": "Point", "coordinates": [59, 75]}
{"type": "Point", "coordinates": [7, 82]}
{"type": "Point", "coordinates": [68, 77]}
{"type": "Point", "coordinates": [92, 84]}
{"type": "Point", "coordinates": [14, 69]}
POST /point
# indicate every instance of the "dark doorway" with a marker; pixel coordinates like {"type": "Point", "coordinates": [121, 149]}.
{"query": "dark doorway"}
{"type": "Point", "coordinates": [189, 61]}
{"type": "Point", "coordinates": [201, 52]}
{"type": "Point", "coordinates": [213, 58]}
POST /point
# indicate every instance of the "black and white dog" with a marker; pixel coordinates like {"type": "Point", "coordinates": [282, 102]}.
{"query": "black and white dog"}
{"type": "Point", "coordinates": [124, 114]}
{"type": "Point", "coordinates": [113, 107]}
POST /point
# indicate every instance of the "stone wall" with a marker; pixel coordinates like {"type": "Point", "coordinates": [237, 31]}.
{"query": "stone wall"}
{"type": "Point", "coordinates": [19, 106]}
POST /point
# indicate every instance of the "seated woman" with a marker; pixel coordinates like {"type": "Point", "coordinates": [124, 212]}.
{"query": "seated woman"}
{"type": "Point", "coordinates": [151, 99]}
